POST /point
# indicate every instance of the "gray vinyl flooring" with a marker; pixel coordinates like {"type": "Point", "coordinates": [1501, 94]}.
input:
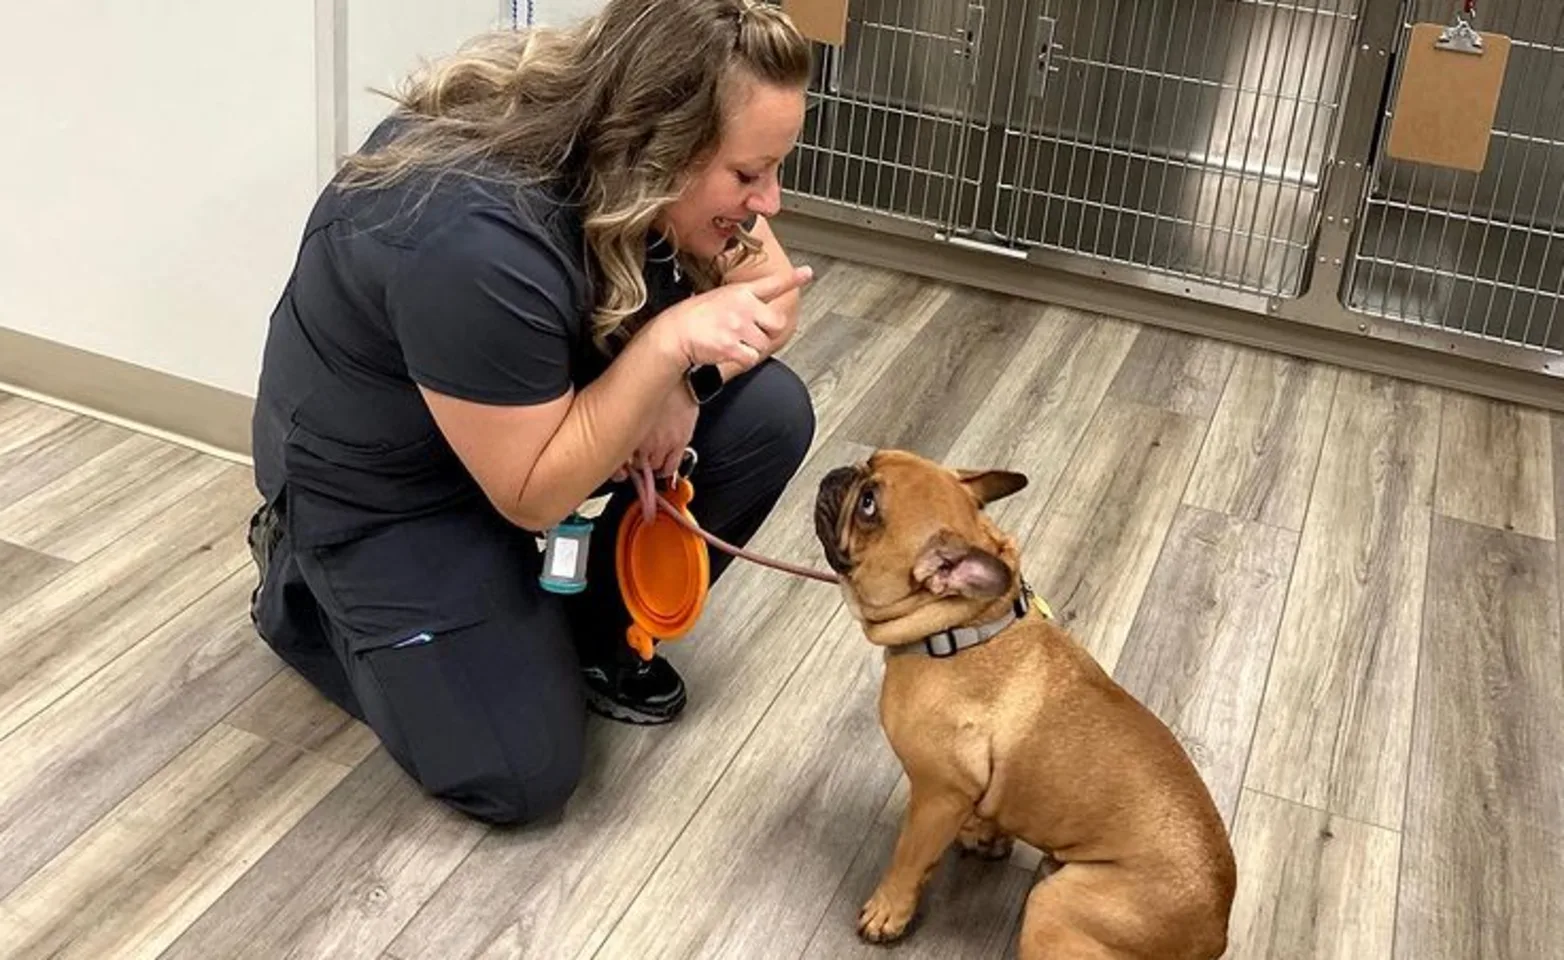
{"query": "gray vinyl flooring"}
{"type": "Point", "coordinates": [1341, 591]}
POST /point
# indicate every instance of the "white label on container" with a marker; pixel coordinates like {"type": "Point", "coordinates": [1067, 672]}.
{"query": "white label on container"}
{"type": "Point", "coordinates": [565, 550]}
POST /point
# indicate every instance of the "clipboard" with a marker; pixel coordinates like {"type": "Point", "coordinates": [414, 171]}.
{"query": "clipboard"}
{"type": "Point", "coordinates": [1449, 93]}
{"type": "Point", "coordinates": [824, 21]}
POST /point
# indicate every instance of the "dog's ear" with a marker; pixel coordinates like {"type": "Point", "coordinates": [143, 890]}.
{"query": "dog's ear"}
{"type": "Point", "coordinates": [951, 565]}
{"type": "Point", "coordinates": [991, 485]}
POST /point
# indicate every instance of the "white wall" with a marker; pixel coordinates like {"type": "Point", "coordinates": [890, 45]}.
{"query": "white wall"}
{"type": "Point", "coordinates": [386, 39]}
{"type": "Point", "coordinates": [559, 13]}
{"type": "Point", "coordinates": [155, 176]}
{"type": "Point", "coordinates": [152, 176]}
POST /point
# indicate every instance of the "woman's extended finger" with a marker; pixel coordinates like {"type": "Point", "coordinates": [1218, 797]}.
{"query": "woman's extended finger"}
{"type": "Point", "coordinates": [768, 288]}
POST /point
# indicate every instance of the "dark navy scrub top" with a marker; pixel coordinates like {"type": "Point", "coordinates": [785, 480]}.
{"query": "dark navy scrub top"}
{"type": "Point", "coordinates": [469, 290]}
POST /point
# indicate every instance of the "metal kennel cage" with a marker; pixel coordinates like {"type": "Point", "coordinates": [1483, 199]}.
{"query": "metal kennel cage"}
{"type": "Point", "coordinates": [1221, 150]}
{"type": "Point", "coordinates": [1480, 254]}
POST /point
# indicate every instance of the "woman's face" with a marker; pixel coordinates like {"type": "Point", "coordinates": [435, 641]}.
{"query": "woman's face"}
{"type": "Point", "coordinates": [740, 178]}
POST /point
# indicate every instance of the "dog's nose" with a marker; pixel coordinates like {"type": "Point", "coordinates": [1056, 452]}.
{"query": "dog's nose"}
{"type": "Point", "coordinates": [838, 480]}
{"type": "Point", "coordinates": [834, 487]}
{"type": "Point", "coordinates": [833, 490]}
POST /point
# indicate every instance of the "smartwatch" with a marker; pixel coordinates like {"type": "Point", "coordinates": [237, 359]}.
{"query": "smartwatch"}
{"type": "Point", "coordinates": [704, 381]}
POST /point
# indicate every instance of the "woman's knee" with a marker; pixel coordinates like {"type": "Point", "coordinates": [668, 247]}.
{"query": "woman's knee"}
{"type": "Point", "coordinates": [489, 719]}
{"type": "Point", "coordinates": [511, 798]}
{"type": "Point", "coordinates": [783, 406]}
{"type": "Point", "coordinates": [509, 777]}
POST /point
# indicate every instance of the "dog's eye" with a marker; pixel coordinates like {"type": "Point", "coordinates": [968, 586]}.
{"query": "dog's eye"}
{"type": "Point", "coordinates": [866, 504]}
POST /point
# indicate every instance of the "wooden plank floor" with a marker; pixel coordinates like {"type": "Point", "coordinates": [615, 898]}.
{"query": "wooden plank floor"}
{"type": "Point", "coordinates": [1341, 591]}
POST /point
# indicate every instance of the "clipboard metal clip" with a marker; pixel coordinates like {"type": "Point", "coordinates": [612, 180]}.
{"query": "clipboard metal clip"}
{"type": "Point", "coordinates": [1462, 38]}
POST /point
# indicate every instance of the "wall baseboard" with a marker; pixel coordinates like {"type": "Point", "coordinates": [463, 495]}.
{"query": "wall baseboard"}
{"type": "Point", "coordinates": [208, 418]}
{"type": "Point", "coordinates": [955, 265]}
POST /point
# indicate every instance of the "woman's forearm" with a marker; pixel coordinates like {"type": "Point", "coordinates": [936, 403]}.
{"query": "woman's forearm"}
{"type": "Point", "coordinates": [605, 422]}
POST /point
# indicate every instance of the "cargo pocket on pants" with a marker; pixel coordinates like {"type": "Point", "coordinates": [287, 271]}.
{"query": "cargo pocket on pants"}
{"type": "Point", "coordinates": [418, 694]}
{"type": "Point", "coordinates": [450, 657]}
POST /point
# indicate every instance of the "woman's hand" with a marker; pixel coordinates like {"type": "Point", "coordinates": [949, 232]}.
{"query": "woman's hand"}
{"type": "Point", "coordinates": [734, 323]}
{"type": "Point", "coordinates": [663, 446]}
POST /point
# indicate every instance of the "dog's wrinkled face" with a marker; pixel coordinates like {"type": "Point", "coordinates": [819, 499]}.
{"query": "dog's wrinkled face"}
{"type": "Point", "coordinates": [901, 531]}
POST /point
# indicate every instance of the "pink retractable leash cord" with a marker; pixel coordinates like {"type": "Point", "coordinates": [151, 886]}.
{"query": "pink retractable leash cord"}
{"type": "Point", "coordinates": [651, 501]}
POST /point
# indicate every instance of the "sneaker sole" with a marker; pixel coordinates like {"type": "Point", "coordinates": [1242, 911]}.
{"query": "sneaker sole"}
{"type": "Point", "coordinates": [604, 707]}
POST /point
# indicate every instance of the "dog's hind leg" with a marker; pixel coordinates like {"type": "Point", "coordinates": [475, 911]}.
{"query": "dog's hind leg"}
{"type": "Point", "coordinates": [1079, 913]}
{"type": "Point", "coordinates": [983, 838]}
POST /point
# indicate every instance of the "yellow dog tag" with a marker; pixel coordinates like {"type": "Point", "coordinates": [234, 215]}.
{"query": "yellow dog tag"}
{"type": "Point", "coordinates": [1042, 607]}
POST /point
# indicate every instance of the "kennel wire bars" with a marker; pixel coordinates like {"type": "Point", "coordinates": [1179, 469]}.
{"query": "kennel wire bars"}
{"type": "Point", "coordinates": [1479, 254]}
{"type": "Point", "coordinates": [1223, 150]}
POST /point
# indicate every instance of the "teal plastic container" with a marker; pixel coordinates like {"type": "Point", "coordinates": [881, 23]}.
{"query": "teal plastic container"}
{"type": "Point", "coordinates": [565, 556]}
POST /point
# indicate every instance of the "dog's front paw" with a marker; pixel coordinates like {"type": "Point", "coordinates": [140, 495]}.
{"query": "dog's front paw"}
{"type": "Point", "coordinates": [886, 918]}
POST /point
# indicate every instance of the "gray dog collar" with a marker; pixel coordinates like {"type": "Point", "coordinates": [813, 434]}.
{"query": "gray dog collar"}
{"type": "Point", "coordinates": [948, 643]}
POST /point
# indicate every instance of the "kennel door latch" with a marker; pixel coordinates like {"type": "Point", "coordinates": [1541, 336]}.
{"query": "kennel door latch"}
{"type": "Point", "coordinates": [969, 33]}
{"type": "Point", "coordinates": [1043, 55]}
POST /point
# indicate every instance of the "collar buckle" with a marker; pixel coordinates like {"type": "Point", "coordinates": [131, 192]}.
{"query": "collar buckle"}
{"type": "Point", "coordinates": [941, 645]}
{"type": "Point", "coordinates": [948, 643]}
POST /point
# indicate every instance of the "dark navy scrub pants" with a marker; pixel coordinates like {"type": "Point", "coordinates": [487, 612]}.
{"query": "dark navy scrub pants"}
{"type": "Point", "coordinates": [435, 632]}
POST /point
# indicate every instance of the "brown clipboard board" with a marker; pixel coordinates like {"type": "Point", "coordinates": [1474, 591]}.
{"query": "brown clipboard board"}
{"type": "Point", "coordinates": [824, 21]}
{"type": "Point", "coordinates": [1444, 107]}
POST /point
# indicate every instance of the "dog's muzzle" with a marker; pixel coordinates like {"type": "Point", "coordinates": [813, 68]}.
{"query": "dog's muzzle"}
{"type": "Point", "coordinates": [835, 488]}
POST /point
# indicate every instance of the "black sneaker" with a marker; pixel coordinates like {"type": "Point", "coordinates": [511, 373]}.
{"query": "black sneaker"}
{"type": "Point", "coordinates": [631, 690]}
{"type": "Point", "coordinates": [262, 537]}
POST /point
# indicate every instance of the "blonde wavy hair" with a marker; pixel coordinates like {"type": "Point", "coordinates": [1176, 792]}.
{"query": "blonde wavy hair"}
{"type": "Point", "coordinates": [629, 103]}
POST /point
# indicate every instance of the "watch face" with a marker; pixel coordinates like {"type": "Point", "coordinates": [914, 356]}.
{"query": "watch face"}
{"type": "Point", "coordinates": [705, 382]}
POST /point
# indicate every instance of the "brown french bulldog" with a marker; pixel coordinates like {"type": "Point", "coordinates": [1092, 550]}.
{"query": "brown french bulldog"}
{"type": "Point", "coordinates": [1007, 727]}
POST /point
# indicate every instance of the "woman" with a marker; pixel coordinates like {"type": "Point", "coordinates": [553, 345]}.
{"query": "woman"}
{"type": "Point", "coordinates": [549, 265]}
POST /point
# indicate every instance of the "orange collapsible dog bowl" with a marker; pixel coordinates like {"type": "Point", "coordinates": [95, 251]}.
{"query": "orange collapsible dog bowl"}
{"type": "Point", "coordinates": [664, 572]}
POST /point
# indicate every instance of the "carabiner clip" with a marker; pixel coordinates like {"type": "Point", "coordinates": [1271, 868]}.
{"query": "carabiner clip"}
{"type": "Point", "coordinates": [687, 461]}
